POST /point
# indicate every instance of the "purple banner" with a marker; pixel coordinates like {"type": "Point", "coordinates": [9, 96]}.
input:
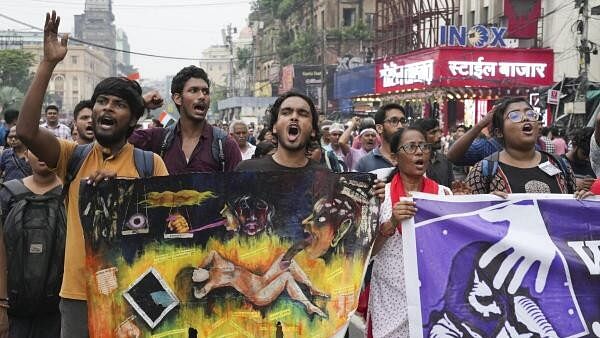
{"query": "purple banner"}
{"type": "Point", "coordinates": [481, 266]}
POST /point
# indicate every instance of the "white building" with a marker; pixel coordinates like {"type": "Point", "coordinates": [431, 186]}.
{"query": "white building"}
{"type": "Point", "coordinates": [216, 63]}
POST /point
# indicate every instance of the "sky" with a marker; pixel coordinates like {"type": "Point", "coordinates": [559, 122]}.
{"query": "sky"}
{"type": "Point", "coordinates": [180, 28]}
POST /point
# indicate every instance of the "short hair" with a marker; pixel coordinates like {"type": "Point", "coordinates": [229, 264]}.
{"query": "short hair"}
{"type": "Point", "coordinates": [263, 148]}
{"type": "Point", "coordinates": [80, 106]}
{"type": "Point", "coordinates": [236, 123]}
{"type": "Point", "coordinates": [51, 106]}
{"type": "Point", "coordinates": [581, 139]}
{"type": "Point", "coordinates": [263, 133]}
{"type": "Point", "coordinates": [500, 109]}
{"type": "Point", "coordinates": [10, 115]}
{"type": "Point", "coordinates": [366, 123]}
{"type": "Point", "coordinates": [397, 137]}
{"type": "Point", "coordinates": [184, 75]}
{"type": "Point", "coordinates": [128, 90]}
{"type": "Point", "coordinates": [461, 126]}
{"type": "Point", "coordinates": [274, 111]}
{"type": "Point", "coordinates": [545, 131]}
{"type": "Point", "coordinates": [382, 111]}
{"type": "Point", "coordinates": [426, 124]}
{"type": "Point", "coordinates": [554, 130]}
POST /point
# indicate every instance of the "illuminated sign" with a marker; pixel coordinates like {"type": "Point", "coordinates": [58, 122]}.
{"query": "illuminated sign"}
{"type": "Point", "coordinates": [481, 69]}
{"type": "Point", "coordinates": [478, 36]}
{"type": "Point", "coordinates": [393, 74]}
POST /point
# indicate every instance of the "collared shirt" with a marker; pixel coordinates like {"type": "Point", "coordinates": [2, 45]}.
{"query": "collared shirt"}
{"type": "Point", "coordinates": [60, 131]}
{"type": "Point", "coordinates": [201, 159]}
{"type": "Point", "coordinates": [246, 155]}
{"type": "Point", "coordinates": [74, 279]}
{"type": "Point", "coordinates": [440, 169]}
{"type": "Point", "coordinates": [373, 161]}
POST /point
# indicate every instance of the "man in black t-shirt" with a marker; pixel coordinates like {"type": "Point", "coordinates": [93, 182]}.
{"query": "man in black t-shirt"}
{"type": "Point", "coordinates": [294, 121]}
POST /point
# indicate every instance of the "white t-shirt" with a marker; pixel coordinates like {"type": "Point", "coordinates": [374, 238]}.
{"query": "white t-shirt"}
{"type": "Point", "coordinates": [246, 155]}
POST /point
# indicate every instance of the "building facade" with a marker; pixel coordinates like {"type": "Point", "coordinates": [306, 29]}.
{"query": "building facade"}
{"type": "Point", "coordinates": [96, 25]}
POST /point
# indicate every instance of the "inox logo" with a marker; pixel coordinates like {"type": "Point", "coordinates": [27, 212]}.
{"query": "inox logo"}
{"type": "Point", "coordinates": [478, 36]}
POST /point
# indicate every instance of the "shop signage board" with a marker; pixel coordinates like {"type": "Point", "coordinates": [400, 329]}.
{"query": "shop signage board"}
{"type": "Point", "coordinates": [478, 36]}
{"type": "Point", "coordinates": [465, 67]}
{"type": "Point", "coordinates": [553, 96]}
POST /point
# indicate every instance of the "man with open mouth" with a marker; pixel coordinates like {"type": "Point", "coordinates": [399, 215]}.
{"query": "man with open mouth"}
{"type": "Point", "coordinates": [294, 122]}
{"type": "Point", "coordinates": [82, 115]}
{"type": "Point", "coordinates": [118, 104]}
{"type": "Point", "coordinates": [192, 144]}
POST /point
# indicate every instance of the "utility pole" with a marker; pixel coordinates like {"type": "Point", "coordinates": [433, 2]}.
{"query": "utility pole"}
{"type": "Point", "coordinates": [323, 69]}
{"type": "Point", "coordinates": [585, 46]}
{"type": "Point", "coordinates": [229, 42]}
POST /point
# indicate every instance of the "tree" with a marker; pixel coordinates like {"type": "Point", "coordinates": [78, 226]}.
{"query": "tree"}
{"type": "Point", "coordinates": [243, 56]}
{"type": "Point", "coordinates": [10, 97]}
{"type": "Point", "coordinates": [14, 68]}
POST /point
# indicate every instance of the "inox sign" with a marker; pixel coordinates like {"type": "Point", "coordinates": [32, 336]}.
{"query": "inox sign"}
{"type": "Point", "coordinates": [478, 36]}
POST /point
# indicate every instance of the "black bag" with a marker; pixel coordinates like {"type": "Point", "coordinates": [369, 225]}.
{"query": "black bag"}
{"type": "Point", "coordinates": [35, 231]}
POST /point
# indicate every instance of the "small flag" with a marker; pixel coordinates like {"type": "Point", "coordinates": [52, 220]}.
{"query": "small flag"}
{"type": "Point", "coordinates": [134, 76]}
{"type": "Point", "coordinates": [166, 119]}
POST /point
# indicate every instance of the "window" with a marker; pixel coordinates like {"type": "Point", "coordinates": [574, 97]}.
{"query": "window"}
{"type": "Point", "coordinates": [484, 15]}
{"type": "Point", "coordinates": [460, 20]}
{"type": "Point", "coordinates": [75, 83]}
{"type": "Point", "coordinates": [59, 83]}
{"type": "Point", "coordinates": [74, 60]}
{"type": "Point", "coordinates": [471, 20]}
{"type": "Point", "coordinates": [349, 17]}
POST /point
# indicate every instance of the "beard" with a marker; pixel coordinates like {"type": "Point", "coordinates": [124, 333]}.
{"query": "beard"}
{"type": "Point", "coordinates": [107, 139]}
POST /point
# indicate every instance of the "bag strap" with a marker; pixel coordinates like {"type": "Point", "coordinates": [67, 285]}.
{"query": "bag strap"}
{"type": "Point", "coordinates": [168, 137]}
{"type": "Point", "coordinates": [563, 168]}
{"type": "Point", "coordinates": [144, 162]}
{"type": "Point", "coordinates": [219, 136]}
{"type": "Point", "coordinates": [75, 162]}
{"type": "Point", "coordinates": [16, 188]}
{"type": "Point", "coordinates": [18, 165]}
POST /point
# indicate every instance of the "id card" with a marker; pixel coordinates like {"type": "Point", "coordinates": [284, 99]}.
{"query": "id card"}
{"type": "Point", "coordinates": [549, 168]}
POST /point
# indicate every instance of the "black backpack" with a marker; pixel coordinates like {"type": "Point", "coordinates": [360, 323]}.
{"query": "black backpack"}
{"type": "Point", "coordinates": [35, 231]}
{"type": "Point", "coordinates": [219, 137]}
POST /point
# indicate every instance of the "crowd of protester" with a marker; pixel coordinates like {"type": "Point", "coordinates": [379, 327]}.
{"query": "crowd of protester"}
{"type": "Point", "coordinates": [506, 152]}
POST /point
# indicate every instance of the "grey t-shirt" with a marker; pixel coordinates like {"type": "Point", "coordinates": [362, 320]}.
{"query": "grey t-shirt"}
{"type": "Point", "coordinates": [595, 155]}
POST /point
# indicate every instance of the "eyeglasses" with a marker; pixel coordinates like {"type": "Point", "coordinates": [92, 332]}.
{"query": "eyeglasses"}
{"type": "Point", "coordinates": [411, 148]}
{"type": "Point", "coordinates": [394, 120]}
{"type": "Point", "coordinates": [520, 116]}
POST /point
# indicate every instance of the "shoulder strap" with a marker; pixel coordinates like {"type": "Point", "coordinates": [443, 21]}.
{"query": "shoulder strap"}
{"type": "Point", "coordinates": [75, 162]}
{"type": "Point", "coordinates": [219, 137]}
{"type": "Point", "coordinates": [562, 165]}
{"type": "Point", "coordinates": [168, 136]}
{"type": "Point", "coordinates": [144, 162]}
{"type": "Point", "coordinates": [16, 188]}
{"type": "Point", "coordinates": [489, 168]}
{"type": "Point", "coordinates": [16, 161]}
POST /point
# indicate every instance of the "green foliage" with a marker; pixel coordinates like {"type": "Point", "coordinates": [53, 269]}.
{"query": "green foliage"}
{"type": "Point", "coordinates": [217, 93]}
{"type": "Point", "coordinates": [10, 97]}
{"type": "Point", "coordinates": [301, 50]}
{"type": "Point", "coordinates": [285, 8]}
{"type": "Point", "coordinates": [14, 68]}
{"type": "Point", "coordinates": [244, 55]}
{"type": "Point", "coordinates": [359, 31]}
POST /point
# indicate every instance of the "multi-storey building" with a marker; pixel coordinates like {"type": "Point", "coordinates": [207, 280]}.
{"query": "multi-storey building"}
{"type": "Point", "coordinates": [96, 25]}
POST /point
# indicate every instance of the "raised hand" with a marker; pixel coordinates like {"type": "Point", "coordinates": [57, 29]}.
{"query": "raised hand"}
{"type": "Point", "coordinates": [54, 50]}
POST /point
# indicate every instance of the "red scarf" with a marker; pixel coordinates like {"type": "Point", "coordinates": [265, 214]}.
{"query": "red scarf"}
{"type": "Point", "coordinates": [428, 186]}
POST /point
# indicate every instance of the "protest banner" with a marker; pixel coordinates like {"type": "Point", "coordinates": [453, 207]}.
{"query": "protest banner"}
{"type": "Point", "coordinates": [227, 254]}
{"type": "Point", "coordinates": [482, 266]}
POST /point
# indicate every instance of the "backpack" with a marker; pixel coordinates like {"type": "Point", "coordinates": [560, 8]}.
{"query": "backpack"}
{"type": "Point", "coordinates": [144, 163]}
{"type": "Point", "coordinates": [489, 168]}
{"type": "Point", "coordinates": [35, 230]}
{"type": "Point", "coordinates": [219, 137]}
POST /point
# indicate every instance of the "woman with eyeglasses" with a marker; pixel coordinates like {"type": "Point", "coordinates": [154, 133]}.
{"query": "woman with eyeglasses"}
{"type": "Point", "coordinates": [387, 299]}
{"type": "Point", "coordinates": [520, 167]}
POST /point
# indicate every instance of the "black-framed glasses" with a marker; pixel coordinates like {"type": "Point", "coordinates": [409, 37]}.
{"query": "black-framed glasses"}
{"type": "Point", "coordinates": [411, 148]}
{"type": "Point", "coordinates": [519, 116]}
{"type": "Point", "coordinates": [394, 120]}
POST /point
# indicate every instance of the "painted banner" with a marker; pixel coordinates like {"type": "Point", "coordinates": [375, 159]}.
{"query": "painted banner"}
{"type": "Point", "coordinates": [481, 266]}
{"type": "Point", "coordinates": [227, 254]}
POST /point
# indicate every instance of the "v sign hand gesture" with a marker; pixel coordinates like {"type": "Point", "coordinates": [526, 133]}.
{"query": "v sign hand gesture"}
{"type": "Point", "coordinates": [54, 50]}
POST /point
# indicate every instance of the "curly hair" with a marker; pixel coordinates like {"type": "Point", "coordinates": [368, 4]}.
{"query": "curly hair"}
{"type": "Point", "coordinates": [184, 75]}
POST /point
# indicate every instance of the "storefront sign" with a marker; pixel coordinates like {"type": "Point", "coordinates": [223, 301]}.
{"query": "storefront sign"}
{"type": "Point", "coordinates": [478, 36]}
{"type": "Point", "coordinates": [465, 67]}
{"type": "Point", "coordinates": [553, 96]}
{"type": "Point", "coordinates": [393, 74]}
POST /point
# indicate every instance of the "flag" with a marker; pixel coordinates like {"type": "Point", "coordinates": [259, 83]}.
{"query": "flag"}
{"type": "Point", "coordinates": [134, 76]}
{"type": "Point", "coordinates": [165, 118]}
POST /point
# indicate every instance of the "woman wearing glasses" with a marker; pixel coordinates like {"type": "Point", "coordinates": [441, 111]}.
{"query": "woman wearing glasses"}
{"type": "Point", "coordinates": [387, 300]}
{"type": "Point", "coordinates": [519, 167]}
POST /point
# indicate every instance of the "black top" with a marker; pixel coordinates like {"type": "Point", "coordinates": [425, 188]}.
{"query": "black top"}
{"type": "Point", "coordinates": [531, 180]}
{"type": "Point", "coordinates": [266, 163]}
{"type": "Point", "coordinates": [581, 168]}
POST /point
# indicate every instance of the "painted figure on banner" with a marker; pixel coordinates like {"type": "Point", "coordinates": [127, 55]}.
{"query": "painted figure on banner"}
{"type": "Point", "coordinates": [228, 254]}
